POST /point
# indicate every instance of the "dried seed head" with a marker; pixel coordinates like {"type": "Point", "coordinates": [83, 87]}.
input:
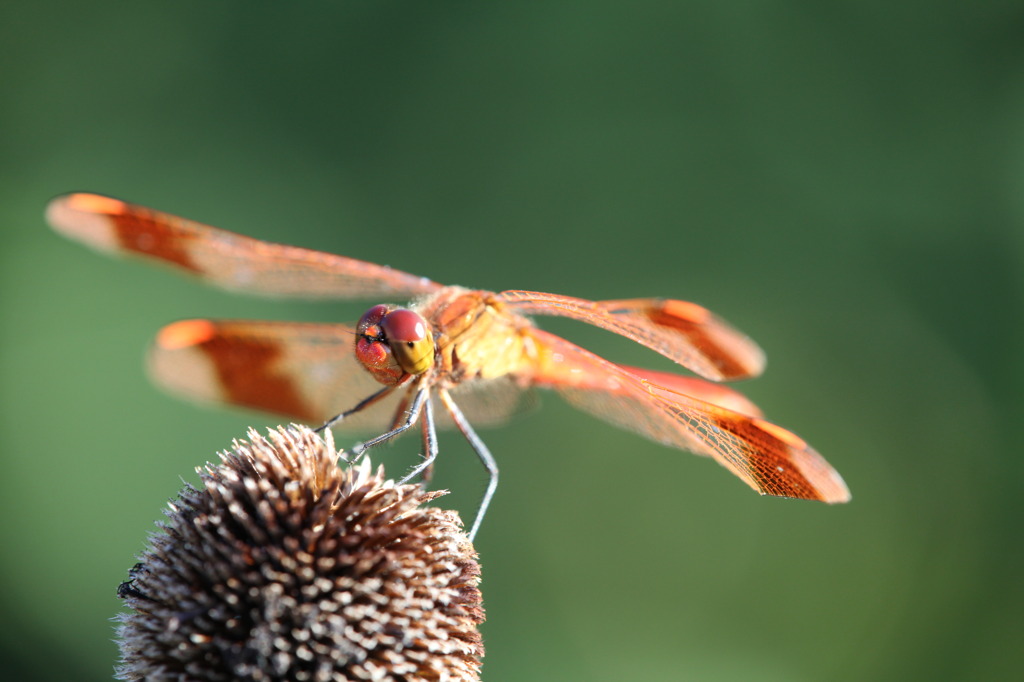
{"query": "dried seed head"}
{"type": "Point", "coordinates": [284, 566]}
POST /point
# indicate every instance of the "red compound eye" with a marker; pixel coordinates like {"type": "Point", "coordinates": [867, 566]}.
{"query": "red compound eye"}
{"type": "Point", "coordinates": [403, 326]}
{"type": "Point", "coordinates": [372, 349]}
{"type": "Point", "coordinates": [409, 339]}
{"type": "Point", "coordinates": [371, 318]}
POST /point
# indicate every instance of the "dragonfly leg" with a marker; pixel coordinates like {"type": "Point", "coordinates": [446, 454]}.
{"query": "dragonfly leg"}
{"type": "Point", "coordinates": [481, 451]}
{"type": "Point", "coordinates": [413, 414]}
{"type": "Point", "coordinates": [429, 446]}
{"type": "Point", "coordinates": [361, 405]}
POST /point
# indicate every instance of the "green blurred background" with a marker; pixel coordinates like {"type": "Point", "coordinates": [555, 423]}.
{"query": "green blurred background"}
{"type": "Point", "coordinates": [842, 181]}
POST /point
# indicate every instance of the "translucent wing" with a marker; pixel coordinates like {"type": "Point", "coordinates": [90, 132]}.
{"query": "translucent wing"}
{"type": "Point", "coordinates": [684, 332]}
{"type": "Point", "coordinates": [224, 259]}
{"type": "Point", "coordinates": [706, 391]}
{"type": "Point", "coordinates": [303, 371]}
{"type": "Point", "coordinates": [766, 457]}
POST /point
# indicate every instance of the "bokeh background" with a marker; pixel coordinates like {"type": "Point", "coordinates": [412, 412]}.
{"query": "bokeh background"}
{"type": "Point", "coordinates": [843, 181]}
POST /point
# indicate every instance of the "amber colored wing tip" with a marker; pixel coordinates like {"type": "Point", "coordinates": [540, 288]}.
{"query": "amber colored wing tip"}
{"type": "Point", "coordinates": [63, 205]}
{"type": "Point", "coordinates": [842, 495]}
{"type": "Point", "coordinates": [85, 218]}
{"type": "Point", "coordinates": [833, 490]}
{"type": "Point", "coordinates": [837, 493]}
{"type": "Point", "coordinates": [58, 212]}
{"type": "Point", "coordinates": [832, 487]}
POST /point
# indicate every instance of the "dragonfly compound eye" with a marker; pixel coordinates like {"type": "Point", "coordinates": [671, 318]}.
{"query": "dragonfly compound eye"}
{"type": "Point", "coordinates": [369, 323]}
{"type": "Point", "coordinates": [410, 340]}
{"type": "Point", "coordinates": [372, 349]}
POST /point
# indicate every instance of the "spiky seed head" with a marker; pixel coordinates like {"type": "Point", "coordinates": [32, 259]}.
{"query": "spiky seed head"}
{"type": "Point", "coordinates": [283, 566]}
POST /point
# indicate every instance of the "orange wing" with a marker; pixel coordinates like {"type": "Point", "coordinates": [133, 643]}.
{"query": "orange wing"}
{"type": "Point", "coordinates": [222, 258]}
{"type": "Point", "coordinates": [304, 371]}
{"type": "Point", "coordinates": [766, 457]}
{"type": "Point", "coordinates": [684, 332]}
{"type": "Point", "coordinates": [706, 391]}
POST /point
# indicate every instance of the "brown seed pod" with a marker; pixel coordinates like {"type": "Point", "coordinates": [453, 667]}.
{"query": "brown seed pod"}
{"type": "Point", "coordinates": [283, 566]}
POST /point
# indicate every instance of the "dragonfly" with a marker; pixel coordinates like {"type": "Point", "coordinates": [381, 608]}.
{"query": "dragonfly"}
{"type": "Point", "coordinates": [477, 353]}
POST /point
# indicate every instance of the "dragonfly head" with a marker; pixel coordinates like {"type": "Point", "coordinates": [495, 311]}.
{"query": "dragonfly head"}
{"type": "Point", "coordinates": [392, 342]}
